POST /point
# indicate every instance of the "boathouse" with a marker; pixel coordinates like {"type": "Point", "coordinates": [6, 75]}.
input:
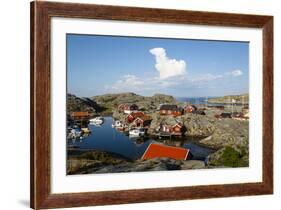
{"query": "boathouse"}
{"type": "Point", "coordinates": [167, 109]}
{"type": "Point", "coordinates": [79, 115]}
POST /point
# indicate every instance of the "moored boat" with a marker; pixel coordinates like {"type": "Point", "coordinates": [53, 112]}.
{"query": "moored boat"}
{"type": "Point", "coordinates": [74, 133]}
{"type": "Point", "coordinates": [96, 121]}
{"type": "Point", "coordinates": [136, 132]}
{"type": "Point", "coordinates": [86, 130]}
{"type": "Point", "coordinates": [117, 124]}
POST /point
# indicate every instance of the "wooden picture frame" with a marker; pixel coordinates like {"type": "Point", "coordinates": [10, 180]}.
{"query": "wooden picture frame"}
{"type": "Point", "coordinates": [41, 14]}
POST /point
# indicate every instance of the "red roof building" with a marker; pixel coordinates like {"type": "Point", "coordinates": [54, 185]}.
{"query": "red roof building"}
{"type": "Point", "coordinates": [176, 129]}
{"type": "Point", "coordinates": [131, 117]}
{"type": "Point", "coordinates": [142, 121]}
{"type": "Point", "coordinates": [128, 108]}
{"type": "Point", "coordinates": [174, 110]}
{"type": "Point", "coordinates": [79, 115]}
{"type": "Point", "coordinates": [160, 151]}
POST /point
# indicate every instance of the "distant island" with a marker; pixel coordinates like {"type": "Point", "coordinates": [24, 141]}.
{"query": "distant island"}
{"type": "Point", "coordinates": [231, 99]}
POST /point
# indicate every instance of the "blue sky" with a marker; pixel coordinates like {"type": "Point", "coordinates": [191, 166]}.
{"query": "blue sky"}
{"type": "Point", "coordinates": [185, 68]}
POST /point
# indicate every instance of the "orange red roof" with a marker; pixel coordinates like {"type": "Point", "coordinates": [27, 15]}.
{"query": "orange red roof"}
{"type": "Point", "coordinates": [159, 150]}
{"type": "Point", "coordinates": [79, 114]}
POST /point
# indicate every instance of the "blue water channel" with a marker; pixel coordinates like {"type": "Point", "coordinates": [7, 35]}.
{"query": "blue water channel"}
{"type": "Point", "coordinates": [108, 139]}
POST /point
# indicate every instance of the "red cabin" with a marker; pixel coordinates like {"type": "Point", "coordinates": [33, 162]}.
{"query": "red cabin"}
{"type": "Point", "coordinates": [176, 129]}
{"type": "Point", "coordinates": [128, 108]}
{"type": "Point", "coordinates": [131, 117]}
{"type": "Point", "coordinates": [79, 115]}
{"type": "Point", "coordinates": [174, 110]}
{"type": "Point", "coordinates": [142, 121]}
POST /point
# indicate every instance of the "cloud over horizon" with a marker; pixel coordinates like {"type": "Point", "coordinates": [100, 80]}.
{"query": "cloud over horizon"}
{"type": "Point", "coordinates": [166, 66]}
{"type": "Point", "coordinates": [236, 73]}
{"type": "Point", "coordinates": [171, 75]}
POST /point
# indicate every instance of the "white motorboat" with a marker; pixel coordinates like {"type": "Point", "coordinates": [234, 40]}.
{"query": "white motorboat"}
{"type": "Point", "coordinates": [137, 132]}
{"type": "Point", "coordinates": [117, 124]}
{"type": "Point", "coordinates": [97, 121]}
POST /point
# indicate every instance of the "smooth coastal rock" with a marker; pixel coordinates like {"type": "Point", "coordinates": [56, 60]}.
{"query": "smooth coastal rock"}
{"type": "Point", "coordinates": [102, 162]}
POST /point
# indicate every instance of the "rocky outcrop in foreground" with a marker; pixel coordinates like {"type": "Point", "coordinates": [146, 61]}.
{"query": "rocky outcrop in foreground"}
{"type": "Point", "coordinates": [103, 162]}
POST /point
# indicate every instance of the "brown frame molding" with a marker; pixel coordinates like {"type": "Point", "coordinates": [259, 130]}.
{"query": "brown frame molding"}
{"type": "Point", "coordinates": [41, 14]}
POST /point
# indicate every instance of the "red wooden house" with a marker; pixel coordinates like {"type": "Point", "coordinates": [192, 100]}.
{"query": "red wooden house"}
{"type": "Point", "coordinates": [79, 115]}
{"type": "Point", "coordinates": [142, 121]}
{"type": "Point", "coordinates": [128, 108]}
{"type": "Point", "coordinates": [167, 109]}
{"type": "Point", "coordinates": [177, 129]}
{"type": "Point", "coordinates": [131, 117]}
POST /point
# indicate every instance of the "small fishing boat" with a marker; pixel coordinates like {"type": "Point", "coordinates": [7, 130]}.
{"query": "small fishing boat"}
{"type": "Point", "coordinates": [136, 132]}
{"type": "Point", "coordinates": [97, 121]}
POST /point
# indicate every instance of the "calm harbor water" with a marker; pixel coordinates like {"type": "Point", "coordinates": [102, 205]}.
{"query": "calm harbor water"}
{"type": "Point", "coordinates": [108, 139]}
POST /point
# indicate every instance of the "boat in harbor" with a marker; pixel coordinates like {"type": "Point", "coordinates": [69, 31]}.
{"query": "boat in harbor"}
{"type": "Point", "coordinates": [74, 133]}
{"type": "Point", "coordinates": [117, 124]}
{"type": "Point", "coordinates": [96, 121]}
{"type": "Point", "coordinates": [136, 132]}
{"type": "Point", "coordinates": [86, 130]}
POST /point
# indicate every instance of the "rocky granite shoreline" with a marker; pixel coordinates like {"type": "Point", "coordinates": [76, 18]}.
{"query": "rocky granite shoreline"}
{"type": "Point", "coordinates": [104, 162]}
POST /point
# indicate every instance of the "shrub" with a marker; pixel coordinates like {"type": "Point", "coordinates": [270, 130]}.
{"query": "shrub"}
{"type": "Point", "coordinates": [230, 157]}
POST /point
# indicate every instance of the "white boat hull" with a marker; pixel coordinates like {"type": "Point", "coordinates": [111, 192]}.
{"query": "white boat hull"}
{"type": "Point", "coordinates": [96, 121]}
{"type": "Point", "coordinates": [136, 133]}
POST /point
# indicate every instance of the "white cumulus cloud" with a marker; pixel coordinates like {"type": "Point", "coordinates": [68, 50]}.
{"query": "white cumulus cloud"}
{"type": "Point", "coordinates": [236, 73]}
{"type": "Point", "coordinates": [167, 67]}
{"type": "Point", "coordinates": [127, 82]}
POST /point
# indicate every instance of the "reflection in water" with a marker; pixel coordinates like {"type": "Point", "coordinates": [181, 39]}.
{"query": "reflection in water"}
{"type": "Point", "coordinates": [106, 138]}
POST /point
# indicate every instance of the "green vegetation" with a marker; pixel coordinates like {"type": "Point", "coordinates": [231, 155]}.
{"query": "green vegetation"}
{"type": "Point", "coordinates": [230, 157]}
